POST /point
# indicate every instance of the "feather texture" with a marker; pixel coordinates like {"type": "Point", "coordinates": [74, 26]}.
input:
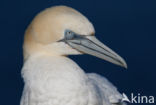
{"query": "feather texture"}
{"type": "Point", "coordinates": [54, 80]}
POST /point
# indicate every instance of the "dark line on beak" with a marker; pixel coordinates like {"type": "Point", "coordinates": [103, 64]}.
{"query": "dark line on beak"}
{"type": "Point", "coordinates": [98, 52]}
{"type": "Point", "coordinates": [84, 37]}
{"type": "Point", "coordinates": [100, 47]}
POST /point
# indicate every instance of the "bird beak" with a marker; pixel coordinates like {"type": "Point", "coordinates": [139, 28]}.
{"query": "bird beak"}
{"type": "Point", "coordinates": [91, 45]}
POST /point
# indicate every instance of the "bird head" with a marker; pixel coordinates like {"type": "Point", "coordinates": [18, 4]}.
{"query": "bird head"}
{"type": "Point", "coordinates": [60, 31]}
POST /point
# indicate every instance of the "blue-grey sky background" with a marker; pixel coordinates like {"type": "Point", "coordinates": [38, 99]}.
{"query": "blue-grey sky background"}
{"type": "Point", "coordinates": [126, 26]}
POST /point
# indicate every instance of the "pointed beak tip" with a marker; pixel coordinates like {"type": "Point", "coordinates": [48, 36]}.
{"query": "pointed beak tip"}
{"type": "Point", "coordinates": [124, 65]}
{"type": "Point", "coordinates": [122, 62]}
{"type": "Point", "coordinates": [91, 45]}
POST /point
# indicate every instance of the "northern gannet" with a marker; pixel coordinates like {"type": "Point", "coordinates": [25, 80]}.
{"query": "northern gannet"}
{"type": "Point", "coordinates": [50, 77]}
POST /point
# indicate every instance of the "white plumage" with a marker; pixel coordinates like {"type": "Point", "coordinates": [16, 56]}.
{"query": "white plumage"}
{"type": "Point", "coordinates": [52, 78]}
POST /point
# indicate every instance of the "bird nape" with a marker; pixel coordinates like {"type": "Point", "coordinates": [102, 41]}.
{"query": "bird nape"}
{"type": "Point", "coordinates": [51, 78]}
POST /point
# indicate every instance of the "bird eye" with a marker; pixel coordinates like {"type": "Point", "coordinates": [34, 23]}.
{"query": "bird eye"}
{"type": "Point", "coordinates": [69, 35]}
{"type": "Point", "coordinates": [69, 32]}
